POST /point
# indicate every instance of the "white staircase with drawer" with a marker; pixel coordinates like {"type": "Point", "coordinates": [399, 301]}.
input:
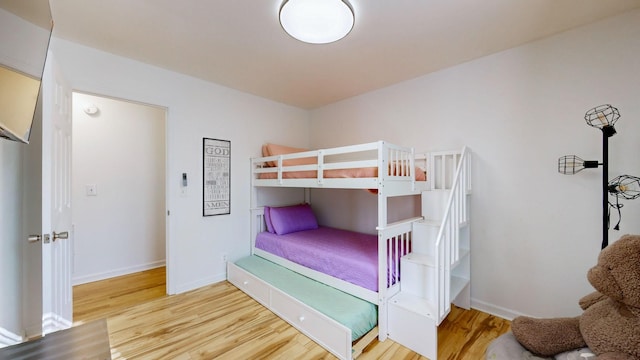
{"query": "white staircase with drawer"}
{"type": "Point", "coordinates": [436, 272]}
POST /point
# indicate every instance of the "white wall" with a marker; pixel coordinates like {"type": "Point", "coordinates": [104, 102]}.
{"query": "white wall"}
{"type": "Point", "coordinates": [120, 229]}
{"type": "Point", "coordinates": [26, 56]}
{"type": "Point", "coordinates": [20, 216]}
{"type": "Point", "coordinates": [10, 240]}
{"type": "Point", "coordinates": [195, 109]}
{"type": "Point", "coordinates": [535, 232]}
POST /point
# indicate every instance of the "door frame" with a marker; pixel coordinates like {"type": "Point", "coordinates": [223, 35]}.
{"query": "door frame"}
{"type": "Point", "coordinates": [166, 170]}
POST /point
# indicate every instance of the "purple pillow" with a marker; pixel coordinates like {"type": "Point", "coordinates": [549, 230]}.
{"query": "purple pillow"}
{"type": "Point", "coordinates": [288, 219]}
{"type": "Point", "coordinates": [267, 219]}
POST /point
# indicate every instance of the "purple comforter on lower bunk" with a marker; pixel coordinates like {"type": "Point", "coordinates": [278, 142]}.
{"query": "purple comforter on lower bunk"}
{"type": "Point", "coordinates": [347, 255]}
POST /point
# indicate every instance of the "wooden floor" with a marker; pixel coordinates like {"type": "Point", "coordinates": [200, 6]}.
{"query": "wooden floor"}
{"type": "Point", "coordinates": [102, 299]}
{"type": "Point", "coordinates": [221, 322]}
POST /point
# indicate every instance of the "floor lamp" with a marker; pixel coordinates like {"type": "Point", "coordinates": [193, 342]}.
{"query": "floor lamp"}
{"type": "Point", "coordinates": [603, 117]}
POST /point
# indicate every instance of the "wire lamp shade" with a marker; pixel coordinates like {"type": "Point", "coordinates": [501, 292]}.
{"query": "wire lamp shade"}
{"type": "Point", "coordinates": [625, 186]}
{"type": "Point", "coordinates": [603, 117]}
{"type": "Point", "coordinates": [571, 164]}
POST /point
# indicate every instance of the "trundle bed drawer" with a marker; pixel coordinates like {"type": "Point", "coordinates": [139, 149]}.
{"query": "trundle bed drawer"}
{"type": "Point", "coordinates": [328, 333]}
{"type": "Point", "coordinates": [325, 331]}
{"type": "Point", "coordinates": [254, 287]}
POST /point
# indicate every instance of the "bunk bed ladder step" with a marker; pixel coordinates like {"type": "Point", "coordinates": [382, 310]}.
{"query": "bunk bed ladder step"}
{"type": "Point", "coordinates": [434, 204]}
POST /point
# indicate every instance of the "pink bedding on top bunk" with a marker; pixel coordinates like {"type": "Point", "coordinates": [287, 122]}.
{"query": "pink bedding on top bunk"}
{"type": "Point", "coordinates": [347, 255]}
{"type": "Point", "coordinates": [368, 172]}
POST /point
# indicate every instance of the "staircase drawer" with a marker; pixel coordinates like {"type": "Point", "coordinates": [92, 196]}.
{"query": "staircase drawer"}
{"type": "Point", "coordinates": [248, 283]}
{"type": "Point", "coordinates": [411, 324]}
{"type": "Point", "coordinates": [322, 329]}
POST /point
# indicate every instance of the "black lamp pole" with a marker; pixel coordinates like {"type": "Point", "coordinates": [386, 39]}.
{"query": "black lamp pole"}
{"type": "Point", "coordinates": [605, 189]}
{"type": "Point", "coordinates": [602, 117]}
{"type": "Point", "coordinates": [607, 132]}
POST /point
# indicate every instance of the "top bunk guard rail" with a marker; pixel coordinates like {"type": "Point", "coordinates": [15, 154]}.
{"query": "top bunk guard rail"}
{"type": "Point", "coordinates": [448, 239]}
{"type": "Point", "coordinates": [393, 163]}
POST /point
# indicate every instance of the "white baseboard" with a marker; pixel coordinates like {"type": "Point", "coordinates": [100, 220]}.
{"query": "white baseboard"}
{"type": "Point", "coordinates": [52, 322]}
{"type": "Point", "coordinates": [197, 284]}
{"type": "Point", "coordinates": [77, 280]}
{"type": "Point", "coordinates": [504, 313]}
{"type": "Point", "coordinates": [32, 331]}
{"type": "Point", "coordinates": [7, 338]}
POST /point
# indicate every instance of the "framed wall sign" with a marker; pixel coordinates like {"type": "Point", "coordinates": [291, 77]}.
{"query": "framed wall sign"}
{"type": "Point", "coordinates": [216, 172]}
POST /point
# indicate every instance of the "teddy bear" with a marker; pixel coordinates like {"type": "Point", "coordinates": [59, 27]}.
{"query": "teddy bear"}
{"type": "Point", "coordinates": [610, 322]}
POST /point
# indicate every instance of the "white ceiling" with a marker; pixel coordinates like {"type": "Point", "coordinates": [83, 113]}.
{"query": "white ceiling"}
{"type": "Point", "coordinates": [240, 44]}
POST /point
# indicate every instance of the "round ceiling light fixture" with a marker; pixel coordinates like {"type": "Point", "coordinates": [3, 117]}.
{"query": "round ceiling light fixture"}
{"type": "Point", "coordinates": [317, 21]}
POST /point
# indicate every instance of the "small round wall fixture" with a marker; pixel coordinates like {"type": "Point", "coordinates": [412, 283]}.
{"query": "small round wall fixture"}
{"type": "Point", "coordinates": [317, 21]}
{"type": "Point", "coordinates": [91, 109]}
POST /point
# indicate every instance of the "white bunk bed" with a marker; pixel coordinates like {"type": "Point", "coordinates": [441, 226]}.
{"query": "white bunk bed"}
{"type": "Point", "coordinates": [390, 170]}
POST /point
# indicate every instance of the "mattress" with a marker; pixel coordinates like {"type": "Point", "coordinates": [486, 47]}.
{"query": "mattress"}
{"type": "Point", "coordinates": [346, 255]}
{"type": "Point", "coordinates": [356, 314]}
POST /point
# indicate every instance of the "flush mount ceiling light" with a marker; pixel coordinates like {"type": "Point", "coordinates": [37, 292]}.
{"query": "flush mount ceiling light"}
{"type": "Point", "coordinates": [316, 21]}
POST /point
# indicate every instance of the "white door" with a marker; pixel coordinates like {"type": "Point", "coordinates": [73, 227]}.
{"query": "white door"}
{"type": "Point", "coordinates": [57, 299]}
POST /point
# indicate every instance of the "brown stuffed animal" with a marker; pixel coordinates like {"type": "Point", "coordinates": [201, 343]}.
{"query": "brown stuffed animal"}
{"type": "Point", "coordinates": [610, 323]}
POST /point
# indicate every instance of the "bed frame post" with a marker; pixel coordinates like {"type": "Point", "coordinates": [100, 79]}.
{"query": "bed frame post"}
{"type": "Point", "coordinates": [256, 214]}
{"type": "Point", "coordinates": [382, 286]}
{"type": "Point", "coordinates": [383, 155]}
{"type": "Point", "coordinates": [307, 195]}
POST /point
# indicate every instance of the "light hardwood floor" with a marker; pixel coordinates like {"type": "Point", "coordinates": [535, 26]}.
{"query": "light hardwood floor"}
{"type": "Point", "coordinates": [221, 322]}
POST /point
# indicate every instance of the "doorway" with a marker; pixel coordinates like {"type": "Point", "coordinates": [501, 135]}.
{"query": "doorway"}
{"type": "Point", "coordinates": [119, 187]}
